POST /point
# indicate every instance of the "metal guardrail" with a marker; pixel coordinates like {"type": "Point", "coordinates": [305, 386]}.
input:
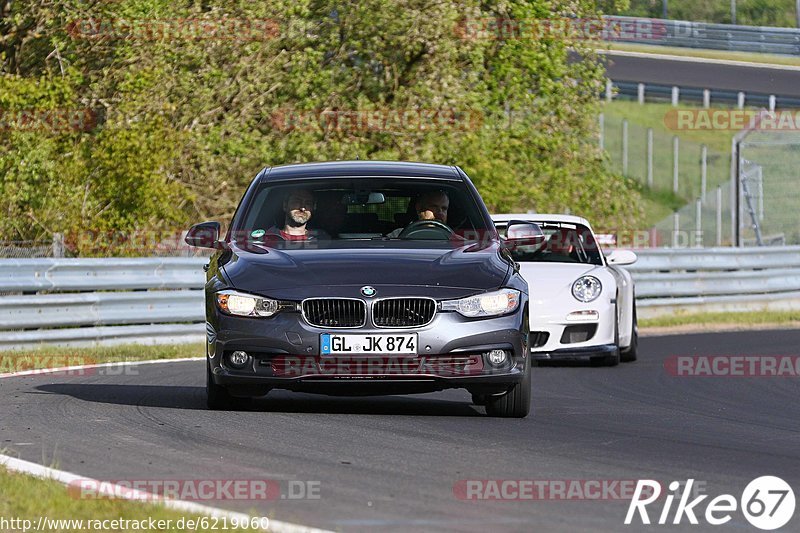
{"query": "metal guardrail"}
{"type": "Point", "coordinates": [683, 33]}
{"type": "Point", "coordinates": [160, 300]}
{"type": "Point", "coordinates": [670, 281]}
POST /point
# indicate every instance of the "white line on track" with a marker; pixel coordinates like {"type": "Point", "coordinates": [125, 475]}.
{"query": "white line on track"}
{"type": "Point", "coordinates": [693, 59]}
{"type": "Point", "coordinates": [18, 465]}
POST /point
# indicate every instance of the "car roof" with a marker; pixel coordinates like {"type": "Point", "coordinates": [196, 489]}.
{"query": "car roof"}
{"type": "Point", "coordinates": [542, 217]}
{"type": "Point", "coordinates": [349, 169]}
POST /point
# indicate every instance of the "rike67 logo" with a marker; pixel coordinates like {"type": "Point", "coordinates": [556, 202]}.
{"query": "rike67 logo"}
{"type": "Point", "coordinates": [767, 503]}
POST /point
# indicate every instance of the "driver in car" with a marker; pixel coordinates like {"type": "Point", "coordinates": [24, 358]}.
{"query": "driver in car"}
{"type": "Point", "coordinates": [430, 205]}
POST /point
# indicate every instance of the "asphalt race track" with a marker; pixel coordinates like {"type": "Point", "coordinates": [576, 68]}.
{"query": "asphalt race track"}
{"type": "Point", "coordinates": [391, 463]}
{"type": "Point", "coordinates": [703, 75]}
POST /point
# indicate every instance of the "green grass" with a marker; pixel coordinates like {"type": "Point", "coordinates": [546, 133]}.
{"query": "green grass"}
{"type": "Point", "coordinates": [751, 57]}
{"type": "Point", "coordinates": [27, 497]}
{"type": "Point", "coordinates": [744, 318]}
{"type": "Point", "coordinates": [51, 356]}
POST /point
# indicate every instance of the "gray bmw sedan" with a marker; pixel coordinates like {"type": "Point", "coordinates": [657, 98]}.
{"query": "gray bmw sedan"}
{"type": "Point", "coordinates": [366, 278]}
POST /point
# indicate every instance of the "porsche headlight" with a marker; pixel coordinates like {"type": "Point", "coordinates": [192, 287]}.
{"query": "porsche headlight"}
{"type": "Point", "coordinates": [587, 288]}
{"type": "Point", "coordinates": [240, 304]}
{"type": "Point", "coordinates": [494, 303]}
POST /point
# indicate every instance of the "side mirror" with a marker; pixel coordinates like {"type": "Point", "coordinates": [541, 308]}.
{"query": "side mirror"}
{"type": "Point", "coordinates": [203, 235]}
{"type": "Point", "coordinates": [520, 233]}
{"type": "Point", "coordinates": [621, 257]}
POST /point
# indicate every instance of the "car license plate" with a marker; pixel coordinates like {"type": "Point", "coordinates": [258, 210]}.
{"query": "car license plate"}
{"type": "Point", "coordinates": [405, 343]}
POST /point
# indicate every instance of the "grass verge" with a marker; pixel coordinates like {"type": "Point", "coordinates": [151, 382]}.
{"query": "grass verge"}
{"type": "Point", "coordinates": [749, 318]}
{"type": "Point", "coordinates": [28, 498]}
{"type": "Point", "coordinates": [53, 356]}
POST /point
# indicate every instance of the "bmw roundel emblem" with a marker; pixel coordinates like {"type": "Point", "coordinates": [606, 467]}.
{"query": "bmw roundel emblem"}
{"type": "Point", "coordinates": [368, 291]}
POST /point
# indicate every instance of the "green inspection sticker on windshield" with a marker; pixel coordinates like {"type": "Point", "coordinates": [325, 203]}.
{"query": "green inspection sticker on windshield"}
{"type": "Point", "coordinates": [257, 233]}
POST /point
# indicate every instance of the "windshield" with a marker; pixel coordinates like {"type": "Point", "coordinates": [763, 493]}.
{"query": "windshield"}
{"type": "Point", "coordinates": [361, 209]}
{"type": "Point", "coordinates": [563, 243]}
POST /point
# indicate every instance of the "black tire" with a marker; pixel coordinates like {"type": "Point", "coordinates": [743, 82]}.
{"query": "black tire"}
{"type": "Point", "coordinates": [478, 399]}
{"type": "Point", "coordinates": [516, 403]}
{"type": "Point", "coordinates": [629, 354]}
{"type": "Point", "coordinates": [218, 398]}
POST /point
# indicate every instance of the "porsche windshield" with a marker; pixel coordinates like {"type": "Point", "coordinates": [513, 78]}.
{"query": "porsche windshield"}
{"type": "Point", "coordinates": [348, 209]}
{"type": "Point", "coordinates": [563, 243]}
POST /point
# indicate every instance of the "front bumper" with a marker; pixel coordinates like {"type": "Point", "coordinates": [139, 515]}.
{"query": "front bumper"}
{"type": "Point", "coordinates": [601, 351]}
{"type": "Point", "coordinates": [285, 354]}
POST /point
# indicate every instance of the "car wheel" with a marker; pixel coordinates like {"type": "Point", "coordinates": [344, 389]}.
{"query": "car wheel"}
{"type": "Point", "coordinates": [218, 398]}
{"type": "Point", "coordinates": [516, 403]}
{"type": "Point", "coordinates": [630, 353]}
{"type": "Point", "coordinates": [478, 399]}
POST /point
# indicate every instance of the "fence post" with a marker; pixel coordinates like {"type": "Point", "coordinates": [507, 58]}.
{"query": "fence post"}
{"type": "Point", "coordinates": [625, 147]}
{"type": "Point", "coordinates": [602, 131]}
{"type": "Point", "coordinates": [609, 89]}
{"type": "Point", "coordinates": [675, 95]}
{"type": "Point", "coordinates": [675, 154]}
{"type": "Point", "coordinates": [676, 228]}
{"type": "Point", "coordinates": [772, 102]}
{"type": "Point", "coordinates": [706, 98]}
{"type": "Point", "coordinates": [698, 223]}
{"type": "Point", "coordinates": [640, 93]}
{"type": "Point", "coordinates": [740, 100]}
{"type": "Point", "coordinates": [650, 157]}
{"type": "Point", "coordinates": [719, 215]}
{"type": "Point", "coordinates": [703, 171]}
{"type": "Point", "coordinates": [58, 245]}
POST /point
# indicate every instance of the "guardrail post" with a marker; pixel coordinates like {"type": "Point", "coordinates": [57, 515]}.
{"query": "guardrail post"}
{"type": "Point", "coordinates": [676, 92]}
{"type": "Point", "coordinates": [703, 171]}
{"type": "Point", "coordinates": [650, 157]}
{"type": "Point", "coordinates": [609, 90]}
{"type": "Point", "coordinates": [719, 215]}
{"type": "Point", "coordinates": [640, 93]}
{"type": "Point", "coordinates": [625, 147]}
{"type": "Point", "coordinates": [706, 98]}
{"type": "Point", "coordinates": [772, 102]}
{"type": "Point", "coordinates": [602, 127]}
{"type": "Point", "coordinates": [740, 100]}
{"type": "Point", "coordinates": [698, 223]}
{"type": "Point", "coordinates": [675, 154]}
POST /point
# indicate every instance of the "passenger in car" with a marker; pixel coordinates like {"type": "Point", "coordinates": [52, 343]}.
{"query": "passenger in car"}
{"type": "Point", "coordinates": [298, 208]}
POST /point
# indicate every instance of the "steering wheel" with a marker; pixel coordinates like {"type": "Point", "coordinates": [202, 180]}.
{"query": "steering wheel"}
{"type": "Point", "coordinates": [426, 229]}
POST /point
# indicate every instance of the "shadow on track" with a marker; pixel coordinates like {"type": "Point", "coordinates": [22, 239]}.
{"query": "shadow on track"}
{"type": "Point", "coordinates": [193, 398]}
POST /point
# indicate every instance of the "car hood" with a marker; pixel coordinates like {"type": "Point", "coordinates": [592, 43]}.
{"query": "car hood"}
{"type": "Point", "coordinates": [402, 269]}
{"type": "Point", "coordinates": [552, 282]}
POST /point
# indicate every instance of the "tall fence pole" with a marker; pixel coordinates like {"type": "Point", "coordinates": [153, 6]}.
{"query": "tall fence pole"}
{"type": "Point", "coordinates": [625, 146]}
{"type": "Point", "coordinates": [650, 156]}
{"type": "Point", "coordinates": [703, 171]}
{"type": "Point", "coordinates": [719, 215]}
{"type": "Point", "coordinates": [609, 90]}
{"type": "Point", "coordinates": [740, 96]}
{"type": "Point", "coordinates": [640, 93]}
{"type": "Point", "coordinates": [676, 228]}
{"type": "Point", "coordinates": [675, 154]}
{"type": "Point", "coordinates": [698, 223]}
{"type": "Point", "coordinates": [602, 127]}
{"type": "Point", "coordinates": [676, 93]}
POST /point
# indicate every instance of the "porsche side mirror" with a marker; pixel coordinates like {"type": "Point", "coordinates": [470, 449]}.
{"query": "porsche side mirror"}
{"type": "Point", "coordinates": [621, 257]}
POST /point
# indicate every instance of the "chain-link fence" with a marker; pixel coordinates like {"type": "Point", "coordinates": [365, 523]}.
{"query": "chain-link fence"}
{"type": "Point", "coordinates": [769, 172]}
{"type": "Point", "coordinates": [704, 222]}
{"type": "Point", "coordinates": [661, 161]}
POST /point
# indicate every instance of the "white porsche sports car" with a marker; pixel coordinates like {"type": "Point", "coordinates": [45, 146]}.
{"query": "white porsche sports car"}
{"type": "Point", "coordinates": [582, 303]}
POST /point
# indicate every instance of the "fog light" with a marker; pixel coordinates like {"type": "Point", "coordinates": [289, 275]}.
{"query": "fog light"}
{"type": "Point", "coordinates": [238, 359]}
{"type": "Point", "coordinates": [497, 357]}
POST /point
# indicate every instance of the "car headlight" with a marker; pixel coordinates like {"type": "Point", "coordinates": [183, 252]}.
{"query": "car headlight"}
{"type": "Point", "coordinates": [587, 288]}
{"type": "Point", "coordinates": [489, 304]}
{"type": "Point", "coordinates": [240, 304]}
